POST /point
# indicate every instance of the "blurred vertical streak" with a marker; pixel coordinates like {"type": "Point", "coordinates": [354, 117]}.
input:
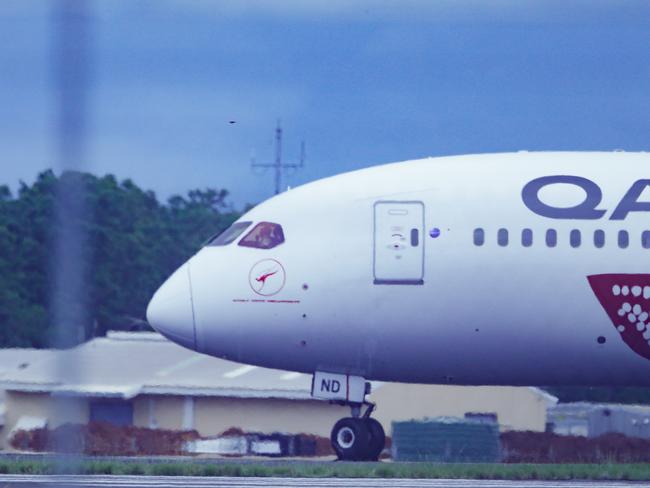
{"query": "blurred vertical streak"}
{"type": "Point", "coordinates": [71, 70]}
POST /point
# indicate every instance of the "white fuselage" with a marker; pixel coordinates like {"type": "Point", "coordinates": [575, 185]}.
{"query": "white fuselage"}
{"type": "Point", "coordinates": [362, 295]}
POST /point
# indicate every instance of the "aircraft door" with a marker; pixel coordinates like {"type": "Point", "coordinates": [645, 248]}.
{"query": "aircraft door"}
{"type": "Point", "coordinates": [399, 243]}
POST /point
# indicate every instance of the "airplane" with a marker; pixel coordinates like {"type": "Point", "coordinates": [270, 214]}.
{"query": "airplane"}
{"type": "Point", "coordinates": [526, 268]}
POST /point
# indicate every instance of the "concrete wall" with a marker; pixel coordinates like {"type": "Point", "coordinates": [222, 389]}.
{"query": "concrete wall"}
{"type": "Point", "coordinates": [211, 416]}
{"type": "Point", "coordinates": [56, 411]}
{"type": "Point", "coordinates": [517, 408]}
{"type": "Point", "coordinates": [158, 412]}
{"type": "Point", "coordinates": [214, 415]}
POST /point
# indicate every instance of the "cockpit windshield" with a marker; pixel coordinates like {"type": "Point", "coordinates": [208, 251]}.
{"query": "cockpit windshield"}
{"type": "Point", "coordinates": [264, 235]}
{"type": "Point", "coordinates": [229, 235]}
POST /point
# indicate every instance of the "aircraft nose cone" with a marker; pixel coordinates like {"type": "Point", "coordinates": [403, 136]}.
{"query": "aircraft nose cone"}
{"type": "Point", "coordinates": [170, 310]}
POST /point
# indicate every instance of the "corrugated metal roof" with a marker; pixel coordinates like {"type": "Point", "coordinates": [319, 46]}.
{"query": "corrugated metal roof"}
{"type": "Point", "coordinates": [583, 409]}
{"type": "Point", "coordinates": [14, 359]}
{"type": "Point", "coordinates": [127, 364]}
{"type": "Point", "coordinates": [123, 365]}
{"type": "Point", "coordinates": [550, 400]}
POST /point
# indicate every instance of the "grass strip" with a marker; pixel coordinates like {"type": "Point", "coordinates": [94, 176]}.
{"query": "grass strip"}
{"type": "Point", "coordinates": [626, 472]}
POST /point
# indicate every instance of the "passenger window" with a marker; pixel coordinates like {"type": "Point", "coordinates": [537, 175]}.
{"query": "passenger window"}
{"type": "Point", "coordinates": [264, 235]}
{"type": "Point", "coordinates": [502, 237]}
{"type": "Point", "coordinates": [228, 235]}
{"type": "Point", "coordinates": [527, 237]}
{"type": "Point", "coordinates": [479, 237]}
{"type": "Point", "coordinates": [574, 238]}
{"type": "Point", "coordinates": [599, 238]}
{"type": "Point", "coordinates": [551, 238]}
{"type": "Point", "coordinates": [645, 239]}
{"type": "Point", "coordinates": [623, 239]}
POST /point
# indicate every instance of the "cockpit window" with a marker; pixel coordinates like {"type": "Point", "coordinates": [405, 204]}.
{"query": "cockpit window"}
{"type": "Point", "coordinates": [229, 235]}
{"type": "Point", "coordinates": [264, 235]}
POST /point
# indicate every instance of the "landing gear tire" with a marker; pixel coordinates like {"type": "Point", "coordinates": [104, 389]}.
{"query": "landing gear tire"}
{"type": "Point", "coordinates": [350, 439]}
{"type": "Point", "coordinates": [377, 438]}
{"type": "Point", "coordinates": [358, 439]}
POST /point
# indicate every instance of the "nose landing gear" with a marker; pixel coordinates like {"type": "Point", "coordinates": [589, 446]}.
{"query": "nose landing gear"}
{"type": "Point", "coordinates": [355, 438]}
{"type": "Point", "coordinates": [358, 438]}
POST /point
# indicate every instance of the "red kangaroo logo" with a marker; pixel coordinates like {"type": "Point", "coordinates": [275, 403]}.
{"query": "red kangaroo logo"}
{"type": "Point", "coordinates": [262, 279]}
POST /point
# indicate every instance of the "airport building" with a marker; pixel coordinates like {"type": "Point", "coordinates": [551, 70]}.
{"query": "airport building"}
{"type": "Point", "coordinates": [142, 379]}
{"type": "Point", "coordinates": [595, 419]}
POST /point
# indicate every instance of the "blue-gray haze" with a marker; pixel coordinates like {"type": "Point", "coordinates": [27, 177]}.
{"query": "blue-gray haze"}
{"type": "Point", "coordinates": [362, 82]}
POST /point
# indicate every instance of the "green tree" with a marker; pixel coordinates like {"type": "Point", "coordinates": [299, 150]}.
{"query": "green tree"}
{"type": "Point", "coordinates": [132, 243]}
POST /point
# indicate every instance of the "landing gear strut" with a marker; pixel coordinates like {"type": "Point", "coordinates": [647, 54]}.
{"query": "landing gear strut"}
{"type": "Point", "coordinates": [358, 438]}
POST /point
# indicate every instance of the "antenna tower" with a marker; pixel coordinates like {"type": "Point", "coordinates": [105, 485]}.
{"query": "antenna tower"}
{"type": "Point", "coordinates": [277, 165]}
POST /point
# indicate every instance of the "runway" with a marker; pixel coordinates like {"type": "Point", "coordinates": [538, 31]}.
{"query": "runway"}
{"type": "Point", "coordinates": [80, 481]}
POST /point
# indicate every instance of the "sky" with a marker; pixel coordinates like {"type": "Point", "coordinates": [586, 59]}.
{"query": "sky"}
{"type": "Point", "coordinates": [363, 83]}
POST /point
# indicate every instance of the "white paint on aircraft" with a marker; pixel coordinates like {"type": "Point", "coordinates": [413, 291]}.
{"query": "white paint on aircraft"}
{"type": "Point", "coordinates": [516, 269]}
